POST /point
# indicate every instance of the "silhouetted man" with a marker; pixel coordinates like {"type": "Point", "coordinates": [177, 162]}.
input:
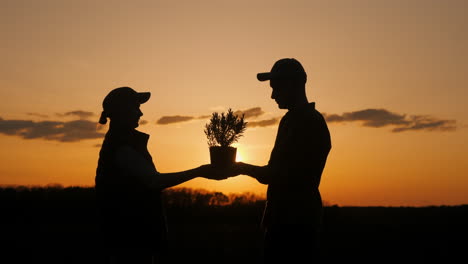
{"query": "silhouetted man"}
{"type": "Point", "coordinates": [132, 221]}
{"type": "Point", "coordinates": [293, 212]}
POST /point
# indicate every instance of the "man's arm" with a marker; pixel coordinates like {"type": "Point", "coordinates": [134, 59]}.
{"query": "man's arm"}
{"type": "Point", "coordinates": [260, 173]}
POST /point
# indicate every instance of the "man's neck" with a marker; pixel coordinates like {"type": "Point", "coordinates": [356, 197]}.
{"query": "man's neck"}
{"type": "Point", "coordinates": [299, 103]}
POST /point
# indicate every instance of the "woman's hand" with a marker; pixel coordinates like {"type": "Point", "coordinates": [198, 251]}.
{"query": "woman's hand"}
{"type": "Point", "coordinates": [217, 173]}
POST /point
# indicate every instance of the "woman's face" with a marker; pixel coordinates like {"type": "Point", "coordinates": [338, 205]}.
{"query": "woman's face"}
{"type": "Point", "coordinates": [128, 116]}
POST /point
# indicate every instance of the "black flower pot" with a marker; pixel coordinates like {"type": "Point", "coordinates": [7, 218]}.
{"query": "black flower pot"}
{"type": "Point", "coordinates": [222, 156]}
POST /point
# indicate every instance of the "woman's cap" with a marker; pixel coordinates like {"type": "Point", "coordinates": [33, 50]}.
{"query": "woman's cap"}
{"type": "Point", "coordinates": [121, 97]}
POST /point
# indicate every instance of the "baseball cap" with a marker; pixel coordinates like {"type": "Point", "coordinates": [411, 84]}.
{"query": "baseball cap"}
{"type": "Point", "coordinates": [287, 68]}
{"type": "Point", "coordinates": [119, 98]}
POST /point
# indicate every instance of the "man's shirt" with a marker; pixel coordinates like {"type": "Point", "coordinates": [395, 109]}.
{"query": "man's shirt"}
{"type": "Point", "coordinates": [295, 169]}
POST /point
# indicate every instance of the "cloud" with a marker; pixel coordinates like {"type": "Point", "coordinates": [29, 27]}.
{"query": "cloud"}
{"type": "Point", "coordinates": [79, 113]}
{"type": "Point", "coordinates": [70, 131]}
{"type": "Point", "coordinates": [204, 117]}
{"type": "Point", "coordinates": [251, 112]}
{"type": "Point", "coordinates": [165, 120]}
{"type": "Point", "coordinates": [371, 117]}
{"type": "Point", "coordinates": [428, 123]}
{"type": "Point", "coordinates": [263, 123]}
{"type": "Point", "coordinates": [38, 115]}
{"type": "Point", "coordinates": [382, 117]}
{"type": "Point", "coordinates": [143, 122]}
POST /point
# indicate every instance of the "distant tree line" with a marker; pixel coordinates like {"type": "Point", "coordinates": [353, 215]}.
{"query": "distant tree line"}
{"type": "Point", "coordinates": [174, 197]}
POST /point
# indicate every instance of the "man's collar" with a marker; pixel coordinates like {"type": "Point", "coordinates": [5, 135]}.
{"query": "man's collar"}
{"type": "Point", "coordinates": [302, 107]}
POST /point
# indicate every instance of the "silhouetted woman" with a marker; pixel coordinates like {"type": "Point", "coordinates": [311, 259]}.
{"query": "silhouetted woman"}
{"type": "Point", "coordinates": [128, 186]}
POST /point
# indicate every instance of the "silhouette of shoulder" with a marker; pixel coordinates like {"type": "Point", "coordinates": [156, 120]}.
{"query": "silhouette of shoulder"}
{"type": "Point", "coordinates": [134, 164]}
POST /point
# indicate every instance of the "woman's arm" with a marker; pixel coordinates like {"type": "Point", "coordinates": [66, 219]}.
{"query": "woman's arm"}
{"type": "Point", "coordinates": [166, 180]}
{"type": "Point", "coordinates": [135, 165]}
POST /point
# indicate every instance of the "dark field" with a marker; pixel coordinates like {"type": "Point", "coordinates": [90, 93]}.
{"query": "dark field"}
{"type": "Point", "coordinates": [57, 225]}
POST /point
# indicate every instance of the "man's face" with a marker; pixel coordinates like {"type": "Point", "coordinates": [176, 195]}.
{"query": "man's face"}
{"type": "Point", "coordinates": [281, 93]}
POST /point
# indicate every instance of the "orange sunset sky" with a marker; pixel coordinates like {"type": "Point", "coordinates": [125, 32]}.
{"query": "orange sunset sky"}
{"type": "Point", "coordinates": [391, 77]}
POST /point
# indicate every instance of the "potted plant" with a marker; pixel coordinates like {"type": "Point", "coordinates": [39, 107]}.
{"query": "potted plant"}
{"type": "Point", "coordinates": [222, 131]}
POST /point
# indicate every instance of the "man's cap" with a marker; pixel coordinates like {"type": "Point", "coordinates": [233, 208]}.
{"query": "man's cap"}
{"type": "Point", "coordinates": [120, 98]}
{"type": "Point", "coordinates": [284, 69]}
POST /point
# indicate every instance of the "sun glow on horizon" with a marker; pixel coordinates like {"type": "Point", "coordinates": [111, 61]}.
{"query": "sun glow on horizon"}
{"type": "Point", "coordinates": [239, 157]}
